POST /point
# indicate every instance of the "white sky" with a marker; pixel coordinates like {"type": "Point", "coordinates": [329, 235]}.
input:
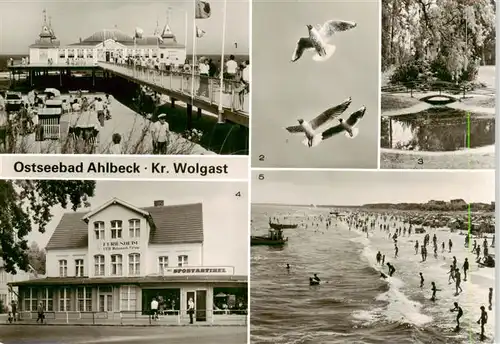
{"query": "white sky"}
{"type": "Point", "coordinates": [225, 215]}
{"type": "Point", "coordinates": [357, 188]}
{"type": "Point", "coordinates": [21, 21]}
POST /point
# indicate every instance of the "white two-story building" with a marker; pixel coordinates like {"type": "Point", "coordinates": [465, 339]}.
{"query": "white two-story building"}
{"type": "Point", "coordinates": [105, 45]}
{"type": "Point", "coordinates": [118, 257]}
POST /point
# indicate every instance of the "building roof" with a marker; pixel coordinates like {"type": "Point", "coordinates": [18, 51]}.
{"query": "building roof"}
{"type": "Point", "coordinates": [172, 224]}
{"type": "Point", "coordinates": [121, 37]}
{"type": "Point", "coordinates": [57, 281]}
{"type": "Point", "coordinates": [46, 44]}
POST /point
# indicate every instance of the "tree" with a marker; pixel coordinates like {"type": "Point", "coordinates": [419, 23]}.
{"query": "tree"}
{"type": "Point", "coordinates": [26, 205]}
{"type": "Point", "coordinates": [452, 35]}
{"type": "Point", "coordinates": [37, 258]}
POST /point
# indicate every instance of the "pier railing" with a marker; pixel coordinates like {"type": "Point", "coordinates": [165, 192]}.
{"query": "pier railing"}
{"type": "Point", "coordinates": [138, 317]}
{"type": "Point", "coordinates": [204, 88]}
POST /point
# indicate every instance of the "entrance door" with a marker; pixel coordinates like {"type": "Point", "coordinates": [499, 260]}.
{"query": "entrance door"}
{"type": "Point", "coordinates": [201, 305]}
{"type": "Point", "coordinates": [107, 56]}
{"type": "Point", "coordinates": [105, 302]}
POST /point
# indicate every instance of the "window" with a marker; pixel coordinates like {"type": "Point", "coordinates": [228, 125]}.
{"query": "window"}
{"type": "Point", "coordinates": [90, 53]}
{"type": "Point", "coordinates": [99, 230]}
{"type": "Point", "coordinates": [48, 299]}
{"type": "Point", "coordinates": [80, 53]}
{"type": "Point", "coordinates": [79, 267]}
{"type": "Point", "coordinates": [116, 229]}
{"type": "Point", "coordinates": [64, 300]}
{"type": "Point", "coordinates": [63, 268]}
{"type": "Point", "coordinates": [84, 299]}
{"type": "Point", "coordinates": [162, 263]}
{"type": "Point", "coordinates": [128, 298]}
{"type": "Point", "coordinates": [62, 53]}
{"type": "Point", "coordinates": [116, 264]}
{"type": "Point", "coordinates": [182, 260]}
{"type": "Point", "coordinates": [30, 299]}
{"type": "Point", "coordinates": [134, 227]}
{"type": "Point", "coordinates": [71, 53]}
{"type": "Point", "coordinates": [134, 264]}
{"type": "Point", "coordinates": [99, 265]}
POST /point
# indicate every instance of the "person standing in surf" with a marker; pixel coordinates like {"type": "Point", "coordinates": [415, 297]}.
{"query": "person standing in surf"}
{"type": "Point", "coordinates": [466, 268]}
{"type": "Point", "coordinates": [434, 290]}
{"type": "Point", "coordinates": [396, 250]}
{"type": "Point", "coordinates": [378, 257]}
{"type": "Point", "coordinates": [392, 270]}
{"type": "Point", "coordinates": [459, 311]}
{"type": "Point", "coordinates": [416, 246]}
{"type": "Point", "coordinates": [421, 280]}
{"type": "Point", "coordinates": [458, 279]}
{"type": "Point", "coordinates": [482, 321]}
{"type": "Point", "coordinates": [451, 274]}
{"type": "Point", "coordinates": [490, 299]}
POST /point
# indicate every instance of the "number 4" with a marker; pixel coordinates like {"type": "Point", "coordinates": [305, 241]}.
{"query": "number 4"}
{"type": "Point", "coordinates": [238, 194]}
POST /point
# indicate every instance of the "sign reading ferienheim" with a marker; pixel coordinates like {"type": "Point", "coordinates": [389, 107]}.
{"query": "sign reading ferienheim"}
{"type": "Point", "coordinates": [112, 166]}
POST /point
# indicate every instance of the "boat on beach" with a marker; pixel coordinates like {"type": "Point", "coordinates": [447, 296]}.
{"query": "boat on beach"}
{"type": "Point", "coordinates": [279, 226]}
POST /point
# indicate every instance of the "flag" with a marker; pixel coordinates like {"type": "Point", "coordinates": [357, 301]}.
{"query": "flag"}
{"type": "Point", "coordinates": [138, 32]}
{"type": "Point", "coordinates": [199, 32]}
{"type": "Point", "coordinates": [203, 10]}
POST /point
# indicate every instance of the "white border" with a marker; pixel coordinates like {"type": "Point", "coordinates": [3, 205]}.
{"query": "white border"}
{"type": "Point", "coordinates": [497, 179]}
{"type": "Point", "coordinates": [249, 182]}
{"type": "Point", "coordinates": [379, 100]}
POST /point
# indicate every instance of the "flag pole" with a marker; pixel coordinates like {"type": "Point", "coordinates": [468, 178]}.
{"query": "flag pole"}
{"type": "Point", "coordinates": [195, 2]}
{"type": "Point", "coordinates": [222, 56]}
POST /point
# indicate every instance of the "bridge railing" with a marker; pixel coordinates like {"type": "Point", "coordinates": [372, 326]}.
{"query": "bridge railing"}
{"type": "Point", "coordinates": [204, 88]}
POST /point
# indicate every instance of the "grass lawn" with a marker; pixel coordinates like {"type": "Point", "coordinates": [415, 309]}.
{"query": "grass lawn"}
{"type": "Point", "coordinates": [390, 102]}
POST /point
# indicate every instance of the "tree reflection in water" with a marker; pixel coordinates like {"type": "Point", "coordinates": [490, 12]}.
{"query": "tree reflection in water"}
{"type": "Point", "coordinates": [438, 129]}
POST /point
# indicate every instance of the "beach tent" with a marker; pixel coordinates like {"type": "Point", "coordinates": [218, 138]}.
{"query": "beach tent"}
{"type": "Point", "coordinates": [54, 91]}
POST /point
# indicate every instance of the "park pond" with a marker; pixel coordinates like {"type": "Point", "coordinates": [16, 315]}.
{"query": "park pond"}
{"type": "Point", "coordinates": [437, 129]}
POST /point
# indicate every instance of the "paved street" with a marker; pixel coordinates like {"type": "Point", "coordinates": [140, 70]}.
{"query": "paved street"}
{"type": "Point", "coordinates": [15, 334]}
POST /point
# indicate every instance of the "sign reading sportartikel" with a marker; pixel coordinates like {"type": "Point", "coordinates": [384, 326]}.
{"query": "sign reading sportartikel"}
{"type": "Point", "coordinates": [200, 271]}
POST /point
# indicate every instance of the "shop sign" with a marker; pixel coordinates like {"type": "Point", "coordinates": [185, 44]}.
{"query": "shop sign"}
{"type": "Point", "coordinates": [120, 245]}
{"type": "Point", "coordinates": [200, 271]}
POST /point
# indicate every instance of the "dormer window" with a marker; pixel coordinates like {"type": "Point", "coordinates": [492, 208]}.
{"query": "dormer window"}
{"type": "Point", "coordinates": [99, 230]}
{"type": "Point", "coordinates": [116, 229]}
{"type": "Point", "coordinates": [134, 226]}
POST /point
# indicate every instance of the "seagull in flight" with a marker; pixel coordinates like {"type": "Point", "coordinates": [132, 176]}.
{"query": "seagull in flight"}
{"type": "Point", "coordinates": [309, 127]}
{"type": "Point", "coordinates": [318, 39]}
{"type": "Point", "coordinates": [348, 126]}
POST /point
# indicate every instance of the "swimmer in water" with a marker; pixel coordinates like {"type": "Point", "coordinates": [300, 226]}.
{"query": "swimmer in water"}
{"type": "Point", "coordinates": [458, 309]}
{"type": "Point", "coordinates": [312, 282]}
{"type": "Point", "coordinates": [288, 266]}
{"type": "Point", "coordinates": [434, 290]}
{"type": "Point", "coordinates": [421, 280]}
{"type": "Point", "coordinates": [316, 278]}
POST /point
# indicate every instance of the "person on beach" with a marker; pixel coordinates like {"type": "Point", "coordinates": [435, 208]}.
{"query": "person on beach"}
{"type": "Point", "coordinates": [490, 299]}
{"type": "Point", "coordinates": [454, 262]}
{"type": "Point", "coordinates": [421, 280]}
{"type": "Point", "coordinates": [458, 280]}
{"type": "Point", "coordinates": [396, 250]}
{"type": "Point", "coordinates": [434, 290]}
{"type": "Point", "coordinates": [443, 247]}
{"type": "Point", "coordinates": [483, 320]}
{"type": "Point", "coordinates": [466, 268]}
{"type": "Point", "coordinates": [450, 245]}
{"type": "Point", "coordinates": [392, 270]}
{"type": "Point", "coordinates": [416, 246]}
{"type": "Point", "coordinates": [383, 259]}
{"type": "Point", "coordinates": [459, 311]}
{"type": "Point", "coordinates": [379, 257]}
